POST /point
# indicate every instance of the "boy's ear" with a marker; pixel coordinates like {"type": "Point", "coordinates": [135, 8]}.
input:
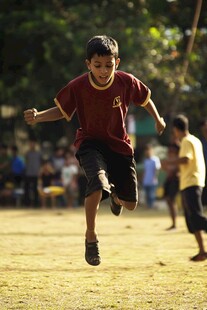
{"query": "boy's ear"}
{"type": "Point", "coordinates": [88, 64]}
{"type": "Point", "coordinates": [117, 62]}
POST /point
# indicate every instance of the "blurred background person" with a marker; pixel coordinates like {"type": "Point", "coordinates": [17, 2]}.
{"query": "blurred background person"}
{"type": "Point", "coordinates": [69, 177]}
{"type": "Point", "coordinates": [5, 165]}
{"type": "Point", "coordinates": [46, 179]}
{"type": "Point", "coordinates": [17, 175]}
{"type": "Point", "coordinates": [58, 160]}
{"type": "Point", "coordinates": [17, 167]}
{"type": "Point", "coordinates": [192, 179]}
{"type": "Point", "coordinates": [203, 138]}
{"type": "Point", "coordinates": [171, 183]}
{"type": "Point", "coordinates": [33, 160]}
{"type": "Point", "coordinates": [152, 166]}
{"type": "Point", "coordinates": [6, 186]}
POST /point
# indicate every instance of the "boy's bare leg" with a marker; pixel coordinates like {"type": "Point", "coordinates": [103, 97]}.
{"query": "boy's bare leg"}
{"type": "Point", "coordinates": [202, 255]}
{"type": "Point", "coordinates": [91, 208]}
{"type": "Point", "coordinates": [199, 239]}
{"type": "Point", "coordinates": [129, 205]}
{"type": "Point", "coordinates": [173, 211]}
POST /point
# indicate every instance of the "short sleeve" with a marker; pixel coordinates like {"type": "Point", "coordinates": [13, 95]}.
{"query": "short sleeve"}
{"type": "Point", "coordinates": [140, 93]}
{"type": "Point", "coordinates": [65, 101]}
{"type": "Point", "coordinates": [186, 149]}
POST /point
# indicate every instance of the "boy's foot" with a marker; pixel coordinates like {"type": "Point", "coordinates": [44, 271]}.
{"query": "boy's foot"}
{"type": "Point", "coordinates": [116, 208]}
{"type": "Point", "coordinates": [199, 257]}
{"type": "Point", "coordinates": [92, 253]}
{"type": "Point", "coordinates": [171, 228]}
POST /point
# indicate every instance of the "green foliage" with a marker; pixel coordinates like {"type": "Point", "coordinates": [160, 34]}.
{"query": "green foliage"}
{"type": "Point", "coordinates": [42, 47]}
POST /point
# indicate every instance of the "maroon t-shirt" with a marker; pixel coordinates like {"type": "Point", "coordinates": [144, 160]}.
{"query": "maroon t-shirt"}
{"type": "Point", "coordinates": [102, 110]}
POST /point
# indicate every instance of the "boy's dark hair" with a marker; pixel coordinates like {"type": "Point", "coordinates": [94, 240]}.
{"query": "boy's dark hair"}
{"type": "Point", "coordinates": [181, 122]}
{"type": "Point", "coordinates": [102, 45]}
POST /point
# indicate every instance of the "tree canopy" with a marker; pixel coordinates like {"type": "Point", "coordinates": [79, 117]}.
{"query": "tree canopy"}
{"type": "Point", "coordinates": [42, 47]}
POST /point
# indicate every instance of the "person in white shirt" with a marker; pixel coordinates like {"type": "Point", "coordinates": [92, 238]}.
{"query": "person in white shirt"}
{"type": "Point", "coordinates": [69, 174]}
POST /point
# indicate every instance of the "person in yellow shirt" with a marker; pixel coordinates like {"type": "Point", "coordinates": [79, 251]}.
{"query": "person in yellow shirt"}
{"type": "Point", "coordinates": [192, 180]}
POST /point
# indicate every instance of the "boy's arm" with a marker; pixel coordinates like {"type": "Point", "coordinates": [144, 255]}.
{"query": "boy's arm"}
{"type": "Point", "coordinates": [159, 121]}
{"type": "Point", "coordinates": [179, 161]}
{"type": "Point", "coordinates": [32, 116]}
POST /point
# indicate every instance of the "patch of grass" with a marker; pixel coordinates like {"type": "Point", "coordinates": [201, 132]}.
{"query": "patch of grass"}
{"type": "Point", "coordinates": [42, 262]}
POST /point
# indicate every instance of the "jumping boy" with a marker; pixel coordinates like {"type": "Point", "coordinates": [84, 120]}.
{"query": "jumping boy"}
{"type": "Point", "coordinates": [101, 100]}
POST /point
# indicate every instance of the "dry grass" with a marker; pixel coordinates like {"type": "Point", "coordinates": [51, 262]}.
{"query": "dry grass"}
{"type": "Point", "coordinates": [143, 267]}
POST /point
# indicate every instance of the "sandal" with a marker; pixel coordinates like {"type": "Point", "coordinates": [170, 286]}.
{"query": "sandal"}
{"type": "Point", "coordinates": [199, 257]}
{"type": "Point", "coordinates": [92, 253]}
{"type": "Point", "coordinates": [116, 209]}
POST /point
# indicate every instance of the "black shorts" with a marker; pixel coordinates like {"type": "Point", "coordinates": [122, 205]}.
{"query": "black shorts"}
{"type": "Point", "coordinates": [171, 187]}
{"type": "Point", "coordinates": [193, 209]}
{"type": "Point", "coordinates": [103, 167]}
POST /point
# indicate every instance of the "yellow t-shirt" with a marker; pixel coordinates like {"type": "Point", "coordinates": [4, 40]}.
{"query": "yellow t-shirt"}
{"type": "Point", "coordinates": [193, 173]}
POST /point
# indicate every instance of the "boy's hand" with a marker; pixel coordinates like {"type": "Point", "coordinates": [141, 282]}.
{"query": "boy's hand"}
{"type": "Point", "coordinates": [160, 125]}
{"type": "Point", "coordinates": [30, 116]}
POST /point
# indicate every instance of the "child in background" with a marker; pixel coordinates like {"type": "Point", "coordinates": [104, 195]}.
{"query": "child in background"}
{"type": "Point", "coordinates": [58, 160]}
{"type": "Point", "coordinates": [203, 138]}
{"type": "Point", "coordinates": [192, 180]}
{"type": "Point", "coordinates": [33, 160]}
{"type": "Point", "coordinates": [150, 178]}
{"type": "Point", "coordinates": [46, 177]}
{"type": "Point", "coordinates": [69, 174]}
{"type": "Point", "coordinates": [48, 190]}
{"type": "Point", "coordinates": [171, 184]}
{"type": "Point", "coordinates": [5, 165]}
{"type": "Point", "coordinates": [17, 167]}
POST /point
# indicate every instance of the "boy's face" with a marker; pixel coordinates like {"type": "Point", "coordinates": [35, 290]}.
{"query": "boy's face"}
{"type": "Point", "coordinates": [148, 152]}
{"type": "Point", "coordinates": [102, 68]}
{"type": "Point", "coordinates": [177, 133]}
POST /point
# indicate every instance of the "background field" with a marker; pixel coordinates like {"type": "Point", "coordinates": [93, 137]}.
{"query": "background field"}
{"type": "Point", "coordinates": [143, 267]}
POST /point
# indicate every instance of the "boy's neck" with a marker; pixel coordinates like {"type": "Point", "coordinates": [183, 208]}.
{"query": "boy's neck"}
{"type": "Point", "coordinates": [97, 85]}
